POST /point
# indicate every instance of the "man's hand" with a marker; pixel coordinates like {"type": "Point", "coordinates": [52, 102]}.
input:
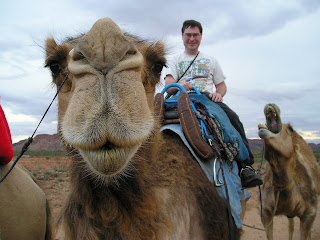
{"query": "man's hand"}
{"type": "Point", "coordinates": [169, 79]}
{"type": "Point", "coordinates": [216, 97]}
{"type": "Point", "coordinates": [186, 85]}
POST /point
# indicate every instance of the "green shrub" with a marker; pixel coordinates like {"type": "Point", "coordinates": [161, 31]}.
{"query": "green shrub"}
{"type": "Point", "coordinates": [42, 153]}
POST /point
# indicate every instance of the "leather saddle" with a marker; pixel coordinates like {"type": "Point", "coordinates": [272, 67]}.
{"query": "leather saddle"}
{"type": "Point", "coordinates": [201, 129]}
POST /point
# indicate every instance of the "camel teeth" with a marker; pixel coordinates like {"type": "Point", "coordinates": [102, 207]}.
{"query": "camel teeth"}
{"type": "Point", "coordinates": [261, 125]}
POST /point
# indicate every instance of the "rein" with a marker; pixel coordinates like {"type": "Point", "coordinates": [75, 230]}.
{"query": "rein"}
{"type": "Point", "coordinates": [262, 157]}
{"type": "Point", "coordinates": [275, 208]}
{"type": "Point", "coordinates": [30, 139]}
{"type": "Point", "coordinates": [260, 196]}
{"type": "Point", "coordinates": [276, 202]}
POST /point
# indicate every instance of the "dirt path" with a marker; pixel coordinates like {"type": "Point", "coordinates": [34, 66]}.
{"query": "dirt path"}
{"type": "Point", "coordinates": [53, 177]}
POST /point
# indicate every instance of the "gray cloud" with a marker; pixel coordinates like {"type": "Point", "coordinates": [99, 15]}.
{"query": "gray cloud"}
{"type": "Point", "coordinates": [237, 32]}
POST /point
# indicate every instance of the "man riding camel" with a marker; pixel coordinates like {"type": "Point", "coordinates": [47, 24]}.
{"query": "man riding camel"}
{"type": "Point", "coordinates": [195, 68]}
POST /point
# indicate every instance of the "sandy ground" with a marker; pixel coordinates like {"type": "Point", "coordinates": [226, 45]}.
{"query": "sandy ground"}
{"type": "Point", "coordinates": [280, 231]}
{"type": "Point", "coordinates": [52, 176]}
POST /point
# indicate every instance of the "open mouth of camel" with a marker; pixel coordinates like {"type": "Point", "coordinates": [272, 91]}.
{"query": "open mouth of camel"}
{"type": "Point", "coordinates": [272, 118]}
{"type": "Point", "coordinates": [272, 114]}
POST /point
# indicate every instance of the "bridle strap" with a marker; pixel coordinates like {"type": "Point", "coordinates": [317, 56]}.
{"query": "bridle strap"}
{"type": "Point", "coordinates": [30, 139]}
{"type": "Point", "coordinates": [179, 78]}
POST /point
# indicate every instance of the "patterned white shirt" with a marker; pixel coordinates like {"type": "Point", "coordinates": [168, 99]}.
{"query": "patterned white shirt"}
{"type": "Point", "coordinates": [203, 74]}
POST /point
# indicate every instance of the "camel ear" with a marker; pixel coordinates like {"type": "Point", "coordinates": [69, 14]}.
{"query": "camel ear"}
{"type": "Point", "coordinates": [160, 46]}
{"type": "Point", "coordinates": [50, 46]}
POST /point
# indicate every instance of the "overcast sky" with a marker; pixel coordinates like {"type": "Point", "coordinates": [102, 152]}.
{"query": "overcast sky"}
{"type": "Point", "coordinates": [269, 51]}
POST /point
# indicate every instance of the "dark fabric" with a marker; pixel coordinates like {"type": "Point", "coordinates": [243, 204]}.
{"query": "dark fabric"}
{"type": "Point", "coordinates": [237, 124]}
{"type": "Point", "coordinates": [6, 152]}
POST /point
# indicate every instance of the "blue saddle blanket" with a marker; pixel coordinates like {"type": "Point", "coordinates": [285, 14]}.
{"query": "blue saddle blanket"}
{"type": "Point", "coordinates": [231, 135]}
{"type": "Point", "coordinates": [235, 191]}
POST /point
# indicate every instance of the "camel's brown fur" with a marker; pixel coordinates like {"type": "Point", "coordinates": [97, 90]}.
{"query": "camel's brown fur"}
{"type": "Point", "coordinates": [292, 171]}
{"type": "Point", "coordinates": [24, 211]}
{"type": "Point", "coordinates": [158, 192]}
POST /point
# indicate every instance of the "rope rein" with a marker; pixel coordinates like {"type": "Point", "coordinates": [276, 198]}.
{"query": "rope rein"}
{"type": "Point", "coordinates": [260, 196]}
{"type": "Point", "coordinates": [30, 139]}
{"type": "Point", "coordinates": [262, 156]}
{"type": "Point", "coordinates": [277, 193]}
{"type": "Point", "coordinates": [275, 209]}
{"type": "Point", "coordinates": [276, 202]}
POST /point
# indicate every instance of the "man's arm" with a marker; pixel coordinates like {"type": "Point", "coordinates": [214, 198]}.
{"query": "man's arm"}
{"type": "Point", "coordinates": [169, 79]}
{"type": "Point", "coordinates": [221, 90]}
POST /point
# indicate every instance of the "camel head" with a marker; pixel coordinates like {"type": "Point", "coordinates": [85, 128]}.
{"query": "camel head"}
{"type": "Point", "coordinates": [105, 108]}
{"type": "Point", "coordinates": [277, 136]}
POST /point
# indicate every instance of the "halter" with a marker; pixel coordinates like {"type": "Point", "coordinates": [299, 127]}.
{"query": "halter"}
{"type": "Point", "coordinates": [30, 139]}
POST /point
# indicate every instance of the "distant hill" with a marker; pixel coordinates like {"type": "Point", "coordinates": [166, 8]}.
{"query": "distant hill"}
{"type": "Point", "coordinates": [52, 143]}
{"type": "Point", "coordinates": [256, 144]}
{"type": "Point", "coordinates": [42, 142]}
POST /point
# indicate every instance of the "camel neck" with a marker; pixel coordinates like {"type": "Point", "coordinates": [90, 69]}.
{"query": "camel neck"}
{"type": "Point", "coordinates": [282, 175]}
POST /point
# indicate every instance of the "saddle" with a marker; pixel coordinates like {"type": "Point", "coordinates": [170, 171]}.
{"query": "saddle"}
{"type": "Point", "coordinates": [200, 128]}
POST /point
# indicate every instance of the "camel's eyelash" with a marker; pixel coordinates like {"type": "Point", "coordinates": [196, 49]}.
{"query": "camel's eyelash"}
{"type": "Point", "coordinates": [55, 68]}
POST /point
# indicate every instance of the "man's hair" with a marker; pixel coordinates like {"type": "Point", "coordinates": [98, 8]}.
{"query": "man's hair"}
{"type": "Point", "coordinates": [191, 23]}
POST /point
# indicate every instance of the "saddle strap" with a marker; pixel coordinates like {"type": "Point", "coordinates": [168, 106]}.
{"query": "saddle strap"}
{"type": "Point", "coordinates": [191, 127]}
{"type": "Point", "coordinates": [159, 107]}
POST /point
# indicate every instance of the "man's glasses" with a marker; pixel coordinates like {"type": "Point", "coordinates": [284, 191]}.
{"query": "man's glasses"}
{"type": "Point", "coordinates": [189, 35]}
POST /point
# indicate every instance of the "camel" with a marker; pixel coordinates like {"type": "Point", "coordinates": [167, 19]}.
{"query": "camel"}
{"type": "Point", "coordinates": [128, 180]}
{"type": "Point", "coordinates": [292, 179]}
{"type": "Point", "coordinates": [24, 212]}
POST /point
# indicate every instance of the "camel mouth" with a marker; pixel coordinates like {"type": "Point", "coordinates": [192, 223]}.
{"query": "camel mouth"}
{"type": "Point", "coordinates": [108, 160]}
{"type": "Point", "coordinates": [105, 160]}
{"type": "Point", "coordinates": [272, 114]}
{"type": "Point", "coordinates": [107, 146]}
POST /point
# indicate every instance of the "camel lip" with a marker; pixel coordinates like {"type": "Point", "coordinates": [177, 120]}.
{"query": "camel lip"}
{"type": "Point", "coordinates": [105, 147]}
{"type": "Point", "coordinates": [262, 126]}
{"type": "Point", "coordinates": [263, 131]}
{"type": "Point", "coordinates": [108, 163]}
{"type": "Point", "coordinates": [108, 147]}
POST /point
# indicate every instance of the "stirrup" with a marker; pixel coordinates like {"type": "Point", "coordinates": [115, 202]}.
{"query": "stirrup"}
{"type": "Point", "coordinates": [214, 174]}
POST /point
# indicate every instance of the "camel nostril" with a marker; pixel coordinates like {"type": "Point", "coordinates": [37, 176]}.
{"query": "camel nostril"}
{"type": "Point", "coordinates": [77, 56]}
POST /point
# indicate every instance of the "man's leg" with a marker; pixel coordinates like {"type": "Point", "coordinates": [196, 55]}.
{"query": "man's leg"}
{"type": "Point", "coordinates": [249, 178]}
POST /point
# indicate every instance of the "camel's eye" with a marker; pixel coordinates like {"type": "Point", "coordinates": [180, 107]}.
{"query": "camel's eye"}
{"type": "Point", "coordinates": [157, 67]}
{"type": "Point", "coordinates": [55, 68]}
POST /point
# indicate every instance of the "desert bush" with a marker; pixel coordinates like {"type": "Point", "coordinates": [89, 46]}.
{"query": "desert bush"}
{"type": "Point", "coordinates": [42, 153]}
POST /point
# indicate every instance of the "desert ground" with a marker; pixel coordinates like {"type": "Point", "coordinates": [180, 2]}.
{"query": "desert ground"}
{"type": "Point", "coordinates": [53, 178]}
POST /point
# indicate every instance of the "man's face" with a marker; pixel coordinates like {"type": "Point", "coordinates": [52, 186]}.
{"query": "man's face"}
{"type": "Point", "coordinates": [191, 39]}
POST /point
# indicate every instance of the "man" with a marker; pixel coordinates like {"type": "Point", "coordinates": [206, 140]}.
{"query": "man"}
{"type": "Point", "coordinates": [204, 72]}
